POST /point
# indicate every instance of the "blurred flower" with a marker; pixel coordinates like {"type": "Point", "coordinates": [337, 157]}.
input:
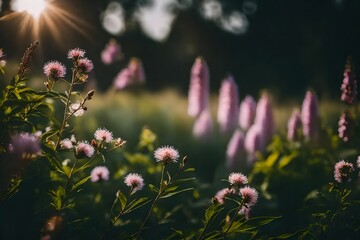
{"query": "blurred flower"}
{"type": "Point", "coordinates": [228, 105]}
{"type": "Point", "coordinates": [85, 65]}
{"type": "Point", "coordinates": [119, 142]}
{"type": "Point", "coordinates": [102, 134]}
{"type": "Point", "coordinates": [358, 162]}
{"type": "Point", "coordinates": [198, 96]}
{"type": "Point", "coordinates": [349, 84]}
{"type": "Point", "coordinates": [246, 212]}
{"type": "Point", "coordinates": [54, 69]}
{"type": "Point", "coordinates": [249, 195]}
{"type": "Point", "coordinates": [203, 126]}
{"type": "Point", "coordinates": [343, 171]}
{"type": "Point", "coordinates": [235, 150]}
{"type": "Point", "coordinates": [310, 115]}
{"type": "Point", "coordinates": [221, 194]}
{"type": "Point", "coordinates": [76, 53]}
{"type": "Point", "coordinates": [166, 155]}
{"type": "Point", "coordinates": [83, 149]}
{"type": "Point", "coordinates": [2, 62]}
{"type": "Point", "coordinates": [123, 79]}
{"type": "Point", "coordinates": [237, 179]}
{"type": "Point", "coordinates": [77, 109]}
{"type": "Point", "coordinates": [136, 71]}
{"type": "Point", "coordinates": [111, 52]}
{"type": "Point", "coordinates": [345, 126]}
{"type": "Point", "coordinates": [25, 145]}
{"type": "Point", "coordinates": [264, 118]}
{"type": "Point", "coordinates": [100, 173]}
{"type": "Point", "coordinates": [135, 181]}
{"type": "Point", "coordinates": [294, 124]}
{"type": "Point", "coordinates": [66, 144]}
{"type": "Point", "coordinates": [254, 141]}
{"type": "Point", "coordinates": [247, 112]}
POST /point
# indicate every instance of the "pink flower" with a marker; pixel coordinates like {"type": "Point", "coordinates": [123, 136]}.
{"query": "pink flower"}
{"type": "Point", "coordinates": [136, 71]}
{"type": "Point", "coordinates": [25, 145]}
{"type": "Point", "coordinates": [83, 149]}
{"type": "Point", "coordinates": [166, 155]}
{"type": "Point", "coordinates": [100, 173]}
{"type": "Point", "coordinates": [345, 126]}
{"type": "Point", "coordinates": [85, 65]}
{"type": "Point", "coordinates": [77, 109]}
{"type": "Point", "coordinates": [294, 124]}
{"type": "Point", "coordinates": [111, 52]}
{"type": "Point", "coordinates": [203, 126]}
{"type": "Point", "coordinates": [349, 84]}
{"type": "Point", "coordinates": [310, 115]}
{"type": "Point", "coordinates": [123, 79]}
{"type": "Point", "coordinates": [221, 194]}
{"type": "Point", "coordinates": [343, 171]}
{"type": "Point", "coordinates": [66, 144]}
{"type": "Point", "coordinates": [135, 181]}
{"type": "Point", "coordinates": [247, 112]}
{"type": "Point", "coordinates": [358, 162]}
{"type": "Point", "coordinates": [237, 179]}
{"type": "Point", "coordinates": [198, 97]}
{"type": "Point", "coordinates": [76, 53]}
{"type": "Point", "coordinates": [228, 107]}
{"type": "Point", "coordinates": [235, 150]}
{"type": "Point", "coordinates": [249, 196]}
{"type": "Point", "coordinates": [54, 69]}
{"type": "Point", "coordinates": [254, 141]}
{"type": "Point", "coordinates": [103, 135]}
{"type": "Point", "coordinates": [264, 117]}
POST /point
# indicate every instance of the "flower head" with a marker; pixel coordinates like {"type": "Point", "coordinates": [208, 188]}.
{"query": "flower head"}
{"type": "Point", "coordinates": [264, 117]}
{"type": "Point", "coordinates": [254, 141]}
{"type": "Point", "coordinates": [77, 109]}
{"type": "Point", "coordinates": [54, 69]}
{"type": "Point", "coordinates": [237, 179]}
{"type": "Point", "coordinates": [310, 115]}
{"type": "Point", "coordinates": [76, 53]}
{"type": "Point", "coordinates": [203, 126]}
{"type": "Point", "coordinates": [135, 181]}
{"type": "Point", "coordinates": [221, 194]}
{"type": "Point", "coordinates": [85, 65]}
{"type": "Point", "coordinates": [102, 134]}
{"type": "Point", "coordinates": [166, 155]}
{"type": "Point", "coordinates": [83, 149]}
{"type": "Point", "coordinates": [247, 112]}
{"type": "Point", "coordinates": [343, 171]}
{"type": "Point", "coordinates": [235, 149]}
{"type": "Point", "coordinates": [100, 173]}
{"type": "Point", "coordinates": [111, 52]}
{"type": "Point", "coordinates": [345, 126]}
{"type": "Point", "coordinates": [66, 144]}
{"type": "Point", "coordinates": [25, 145]}
{"type": "Point", "coordinates": [349, 84]}
{"type": "Point", "coordinates": [249, 195]}
{"type": "Point", "coordinates": [123, 79]}
{"type": "Point", "coordinates": [294, 124]}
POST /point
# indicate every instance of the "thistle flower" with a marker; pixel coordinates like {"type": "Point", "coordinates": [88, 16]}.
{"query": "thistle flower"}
{"type": "Point", "coordinates": [343, 171]}
{"type": "Point", "coordinates": [123, 79]}
{"type": "Point", "coordinates": [25, 145]}
{"type": "Point", "coordinates": [54, 70]}
{"type": "Point", "coordinates": [228, 105]}
{"type": "Point", "coordinates": [111, 52]}
{"type": "Point", "coordinates": [237, 179]}
{"type": "Point", "coordinates": [310, 115]}
{"type": "Point", "coordinates": [166, 155]}
{"type": "Point", "coordinates": [66, 144]}
{"type": "Point", "coordinates": [264, 117]}
{"type": "Point", "coordinates": [254, 141]}
{"type": "Point", "coordinates": [83, 149]}
{"type": "Point", "coordinates": [203, 126]}
{"type": "Point", "coordinates": [198, 97]}
{"type": "Point", "coordinates": [294, 124]}
{"type": "Point", "coordinates": [100, 173]}
{"type": "Point", "coordinates": [221, 194]}
{"type": "Point", "coordinates": [349, 84]}
{"type": "Point", "coordinates": [136, 71]}
{"type": "Point", "coordinates": [235, 150]}
{"type": "Point", "coordinates": [77, 109]}
{"type": "Point", "coordinates": [85, 65]}
{"type": "Point", "coordinates": [135, 181]}
{"type": "Point", "coordinates": [76, 53]}
{"type": "Point", "coordinates": [249, 196]}
{"type": "Point", "coordinates": [102, 134]}
{"type": "Point", "coordinates": [345, 126]}
{"type": "Point", "coordinates": [247, 112]}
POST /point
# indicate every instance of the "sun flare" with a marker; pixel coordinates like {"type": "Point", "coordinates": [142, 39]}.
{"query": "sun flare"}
{"type": "Point", "coordinates": [34, 7]}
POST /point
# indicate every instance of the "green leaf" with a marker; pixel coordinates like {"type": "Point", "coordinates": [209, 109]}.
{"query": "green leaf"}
{"type": "Point", "coordinates": [189, 170]}
{"type": "Point", "coordinates": [176, 192]}
{"type": "Point", "coordinates": [79, 183]}
{"type": "Point", "coordinates": [122, 199]}
{"type": "Point", "coordinates": [153, 188]}
{"type": "Point", "coordinates": [213, 211]}
{"type": "Point", "coordinates": [286, 160]}
{"type": "Point", "coordinates": [183, 180]}
{"type": "Point", "coordinates": [256, 222]}
{"type": "Point", "coordinates": [272, 159]}
{"type": "Point", "coordinates": [137, 203]}
{"type": "Point", "coordinates": [284, 236]}
{"type": "Point", "coordinates": [234, 227]}
{"type": "Point", "coordinates": [213, 235]}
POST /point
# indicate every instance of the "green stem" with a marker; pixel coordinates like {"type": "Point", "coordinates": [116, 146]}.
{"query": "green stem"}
{"type": "Point", "coordinates": [233, 218]}
{"type": "Point", "coordinates": [203, 230]}
{"type": "Point", "coordinates": [68, 183]}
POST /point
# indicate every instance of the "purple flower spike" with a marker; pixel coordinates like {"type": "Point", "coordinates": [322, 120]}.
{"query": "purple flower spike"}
{"type": "Point", "coordinates": [228, 105]}
{"type": "Point", "coordinates": [247, 112]}
{"type": "Point", "coordinates": [264, 117]}
{"type": "Point", "coordinates": [294, 124]}
{"type": "Point", "coordinates": [203, 126]}
{"type": "Point", "coordinates": [349, 84]}
{"type": "Point", "coordinates": [198, 97]}
{"type": "Point", "coordinates": [345, 126]}
{"type": "Point", "coordinates": [254, 142]}
{"type": "Point", "coordinates": [123, 79]}
{"type": "Point", "coordinates": [235, 150]}
{"type": "Point", "coordinates": [310, 115]}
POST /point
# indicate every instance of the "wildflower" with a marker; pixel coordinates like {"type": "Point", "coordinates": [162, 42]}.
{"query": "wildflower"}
{"type": "Point", "coordinates": [358, 162]}
{"type": "Point", "coordinates": [264, 117]}
{"type": "Point", "coordinates": [249, 196]}
{"type": "Point", "coordinates": [198, 96]}
{"type": "Point", "coordinates": [123, 79]}
{"type": "Point", "coordinates": [26, 145]}
{"type": "Point", "coordinates": [166, 155]}
{"type": "Point", "coordinates": [135, 181]}
{"type": "Point", "coordinates": [85, 65]}
{"type": "Point", "coordinates": [310, 115]}
{"type": "Point", "coordinates": [345, 126]}
{"type": "Point", "coordinates": [119, 142]}
{"type": "Point", "coordinates": [254, 140]}
{"type": "Point", "coordinates": [100, 173]}
{"type": "Point", "coordinates": [54, 69]}
{"type": "Point", "coordinates": [2, 62]}
{"type": "Point", "coordinates": [66, 144]}
{"type": "Point", "coordinates": [77, 109]}
{"type": "Point", "coordinates": [76, 53]}
{"type": "Point", "coordinates": [247, 112]}
{"type": "Point", "coordinates": [203, 126]}
{"type": "Point", "coordinates": [136, 71]}
{"type": "Point", "coordinates": [343, 171]}
{"type": "Point", "coordinates": [221, 194]}
{"type": "Point", "coordinates": [111, 52]}
{"type": "Point", "coordinates": [228, 107]}
{"type": "Point", "coordinates": [237, 179]}
{"type": "Point", "coordinates": [349, 84]}
{"type": "Point", "coordinates": [26, 58]}
{"type": "Point", "coordinates": [294, 124]}
{"type": "Point", "coordinates": [83, 149]}
{"type": "Point", "coordinates": [103, 135]}
{"type": "Point", "coordinates": [235, 149]}
{"type": "Point", "coordinates": [245, 211]}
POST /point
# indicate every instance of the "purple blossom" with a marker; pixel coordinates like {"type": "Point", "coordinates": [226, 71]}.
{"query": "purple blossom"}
{"type": "Point", "coordinates": [249, 196]}
{"type": "Point", "coordinates": [264, 117]}
{"type": "Point", "coordinates": [136, 71]}
{"type": "Point", "coordinates": [135, 181]}
{"type": "Point", "coordinates": [294, 124]}
{"type": "Point", "coordinates": [247, 112]}
{"type": "Point", "coordinates": [228, 105]}
{"type": "Point", "coordinates": [25, 145]}
{"type": "Point", "coordinates": [345, 126]}
{"type": "Point", "coordinates": [237, 179]}
{"type": "Point", "coordinates": [83, 149]}
{"type": "Point", "coordinates": [66, 144]}
{"type": "Point", "coordinates": [343, 171]}
{"type": "Point", "coordinates": [54, 69]}
{"type": "Point", "coordinates": [102, 134]}
{"type": "Point", "coordinates": [99, 173]}
{"type": "Point", "coordinates": [254, 142]}
{"type": "Point", "coordinates": [203, 126]}
{"type": "Point", "coordinates": [310, 115]}
{"type": "Point", "coordinates": [111, 52]}
{"type": "Point", "coordinates": [76, 53]}
{"type": "Point", "coordinates": [166, 155]}
{"type": "Point", "coordinates": [123, 79]}
{"type": "Point", "coordinates": [235, 150]}
{"type": "Point", "coordinates": [85, 65]}
{"type": "Point", "coordinates": [349, 84]}
{"type": "Point", "coordinates": [198, 97]}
